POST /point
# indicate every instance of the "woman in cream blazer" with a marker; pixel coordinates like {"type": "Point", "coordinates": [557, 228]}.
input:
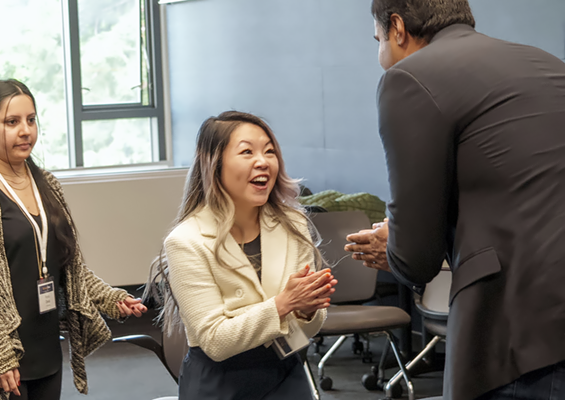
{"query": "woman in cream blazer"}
{"type": "Point", "coordinates": [227, 311]}
{"type": "Point", "coordinates": [233, 301]}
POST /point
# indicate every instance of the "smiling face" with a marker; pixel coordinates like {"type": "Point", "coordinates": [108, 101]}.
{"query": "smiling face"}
{"type": "Point", "coordinates": [19, 129]}
{"type": "Point", "coordinates": [249, 167]}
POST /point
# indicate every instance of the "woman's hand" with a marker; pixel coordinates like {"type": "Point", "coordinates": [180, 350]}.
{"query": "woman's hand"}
{"type": "Point", "coordinates": [131, 306]}
{"type": "Point", "coordinates": [329, 290]}
{"type": "Point", "coordinates": [306, 292]}
{"type": "Point", "coordinates": [11, 381]}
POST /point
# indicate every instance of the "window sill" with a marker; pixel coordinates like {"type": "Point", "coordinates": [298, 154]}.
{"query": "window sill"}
{"type": "Point", "coordinates": [119, 173]}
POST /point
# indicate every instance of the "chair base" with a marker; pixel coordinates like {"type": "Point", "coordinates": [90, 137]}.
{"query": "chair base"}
{"type": "Point", "coordinates": [326, 382]}
{"type": "Point", "coordinates": [396, 378]}
{"type": "Point", "coordinates": [308, 371]}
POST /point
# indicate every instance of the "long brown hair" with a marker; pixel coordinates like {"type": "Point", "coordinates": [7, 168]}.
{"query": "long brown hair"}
{"type": "Point", "coordinates": [204, 188]}
{"type": "Point", "coordinates": [64, 229]}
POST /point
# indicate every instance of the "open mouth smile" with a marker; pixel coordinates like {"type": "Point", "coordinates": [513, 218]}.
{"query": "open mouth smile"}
{"type": "Point", "coordinates": [260, 181]}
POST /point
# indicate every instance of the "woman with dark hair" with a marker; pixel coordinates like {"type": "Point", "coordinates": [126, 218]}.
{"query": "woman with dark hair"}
{"type": "Point", "coordinates": [239, 268]}
{"type": "Point", "coordinates": [44, 283]}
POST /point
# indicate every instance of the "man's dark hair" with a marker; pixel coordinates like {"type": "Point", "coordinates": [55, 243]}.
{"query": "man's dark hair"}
{"type": "Point", "coordinates": [423, 18]}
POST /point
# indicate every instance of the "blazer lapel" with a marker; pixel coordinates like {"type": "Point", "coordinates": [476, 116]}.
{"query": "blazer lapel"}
{"type": "Point", "coordinates": [274, 240]}
{"type": "Point", "coordinates": [232, 254]}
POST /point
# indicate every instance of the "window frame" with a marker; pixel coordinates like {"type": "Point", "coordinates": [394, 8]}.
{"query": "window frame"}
{"type": "Point", "coordinates": [77, 113]}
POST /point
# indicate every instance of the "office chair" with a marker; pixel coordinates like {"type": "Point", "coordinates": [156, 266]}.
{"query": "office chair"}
{"type": "Point", "coordinates": [174, 348]}
{"type": "Point", "coordinates": [171, 352]}
{"type": "Point", "coordinates": [433, 306]}
{"type": "Point", "coordinates": [357, 283]}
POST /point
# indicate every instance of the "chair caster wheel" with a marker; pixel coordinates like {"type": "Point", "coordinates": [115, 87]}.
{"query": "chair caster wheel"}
{"type": "Point", "coordinates": [371, 382]}
{"type": "Point", "coordinates": [396, 391]}
{"type": "Point", "coordinates": [357, 347]}
{"type": "Point", "coordinates": [326, 383]}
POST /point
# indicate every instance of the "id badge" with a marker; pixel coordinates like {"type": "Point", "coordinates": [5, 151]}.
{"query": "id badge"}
{"type": "Point", "coordinates": [46, 292]}
{"type": "Point", "coordinates": [292, 342]}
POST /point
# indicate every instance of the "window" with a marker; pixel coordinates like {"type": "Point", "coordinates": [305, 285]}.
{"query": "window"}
{"type": "Point", "coordinates": [94, 67]}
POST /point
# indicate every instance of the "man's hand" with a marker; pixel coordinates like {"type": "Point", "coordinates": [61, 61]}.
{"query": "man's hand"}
{"type": "Point", "coordinates": [369, 246]}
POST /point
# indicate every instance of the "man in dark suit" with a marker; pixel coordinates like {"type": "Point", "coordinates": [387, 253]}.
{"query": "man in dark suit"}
{"type": "Point", "coordinates": [474, 134]}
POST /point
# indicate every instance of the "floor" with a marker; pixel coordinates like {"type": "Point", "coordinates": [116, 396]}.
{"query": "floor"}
{"type": "Point", "coordinates": [125, 371]}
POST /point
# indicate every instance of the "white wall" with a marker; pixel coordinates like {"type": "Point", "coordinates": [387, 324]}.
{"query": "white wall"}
{"type": "Point", "coordinates": [122, 220]}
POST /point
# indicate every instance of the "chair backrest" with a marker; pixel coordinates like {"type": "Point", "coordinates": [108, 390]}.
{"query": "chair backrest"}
{"type": "Point", "coordinates": [436, 295]}
{"type": "Point", "coordinates": [175, 348]}
{"type": "Point", "coordinates": [355, 281]}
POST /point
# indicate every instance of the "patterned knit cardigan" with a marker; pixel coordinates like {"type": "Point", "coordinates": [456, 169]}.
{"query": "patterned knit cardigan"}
{"type": "Point", "coordinates": [82, 298]}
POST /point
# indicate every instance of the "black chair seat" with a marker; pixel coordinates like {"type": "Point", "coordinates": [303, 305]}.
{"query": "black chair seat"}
{"type": "Point", "coordinates": [345, 320]}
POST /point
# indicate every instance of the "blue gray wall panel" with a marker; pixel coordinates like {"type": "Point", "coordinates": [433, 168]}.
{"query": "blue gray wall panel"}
{"type": "Point", "coordinates": [310, 68]}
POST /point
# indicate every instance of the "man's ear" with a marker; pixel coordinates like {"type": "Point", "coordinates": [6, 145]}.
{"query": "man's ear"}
{"type": "Point", "coordinates": [397, 30]}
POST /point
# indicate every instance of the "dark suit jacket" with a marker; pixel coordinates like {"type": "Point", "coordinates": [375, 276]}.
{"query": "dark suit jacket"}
{"type": "Point", "coordinates": [474, 134]}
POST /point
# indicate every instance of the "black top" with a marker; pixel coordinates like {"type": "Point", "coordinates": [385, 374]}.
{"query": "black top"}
{"type": "Point", "coordinates": [253, 252]}
{"type": "Point", "coordinates": [39, 333]}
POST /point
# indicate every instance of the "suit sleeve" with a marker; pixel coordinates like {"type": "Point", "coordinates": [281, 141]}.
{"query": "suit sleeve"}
{"type": "Point", "coordinates": [201, 306]}
{"type": "Point", "coordinates": [419, 150]}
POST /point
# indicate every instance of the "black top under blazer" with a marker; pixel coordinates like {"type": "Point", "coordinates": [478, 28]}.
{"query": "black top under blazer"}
{"type": "Point", "coordinates": [474, 135]}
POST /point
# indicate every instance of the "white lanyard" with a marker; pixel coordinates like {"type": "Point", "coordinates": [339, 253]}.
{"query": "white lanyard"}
{"type": "Point", "coordinates": [41, 233]}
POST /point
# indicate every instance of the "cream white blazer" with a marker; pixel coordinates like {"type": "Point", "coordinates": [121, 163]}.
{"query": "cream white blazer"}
{"type": "Point", "coordinates": [227, 311]}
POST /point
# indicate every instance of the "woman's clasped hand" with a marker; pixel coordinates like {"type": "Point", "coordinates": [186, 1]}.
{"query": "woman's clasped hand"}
{"type": "Point", "coordinates": [306, 292]}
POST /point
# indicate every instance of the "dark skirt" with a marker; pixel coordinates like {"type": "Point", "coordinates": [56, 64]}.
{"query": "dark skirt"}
{"type": "Point", "coordinates": [257, 374]}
